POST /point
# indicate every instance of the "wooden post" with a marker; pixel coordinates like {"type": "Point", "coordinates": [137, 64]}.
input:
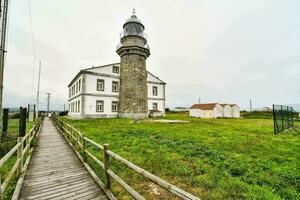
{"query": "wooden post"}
{"type": "Point", "coordinates": [0, 190]}
{"type": "Point", "coordinates": [19, 156]}
{"type": "Point", "coordinates": [34, 113]}
{"type": "Point", "coordinates": [83, 149]}
{"type": "Point", "coordinates": [5, 121]}
{"type": "Point", "coordinates": [28, 142]}
{"type": "Point", "coordinates": [22, 122]}
{"type": "Point", "coordinates": [106, 167]}
{"type": "Point", "coordinates": [77, 138]}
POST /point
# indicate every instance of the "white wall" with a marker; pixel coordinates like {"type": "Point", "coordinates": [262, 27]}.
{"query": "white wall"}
{"type": "Point", "coordinates": [235, 111]}
{"type": "Point", "coordinates": [195, 112]}
{"type": "Point", "coordinates": [90, 105]}
{"type": "Point", "coordinates": [218, 111]}
{"type": "Point", "coordinates": [74, 84]}
{"type": "Point", "coordinates": [91, 85]}
{"type": "Point", "coordinates": [227, 111]}
{"type": "Point", "coordinates": [74, 112]}
{"type": "Point", "coordinates": [92, 94]}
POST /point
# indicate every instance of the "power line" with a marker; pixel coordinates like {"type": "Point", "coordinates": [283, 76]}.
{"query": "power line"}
{"type": "Point", "coordinates": [33, 49]}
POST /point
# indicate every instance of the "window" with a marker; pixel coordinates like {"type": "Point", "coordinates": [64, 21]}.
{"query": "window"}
{"type": "Point", "coordinates": [79, 85]}
{"type": "Point", "coordinates": [99, 106]}
{"type": "Point", "coordinates": [114, 106]}
{"type": "Point", "coordinates": [116, 69]}
{"type": "Point", "coordinates": [154, 90]}
{"type": "Point", "coordinates": [69, 92]}
{"type": "Point", "coordinates": [100, 84]}
{"type": "Point", "coordinates": [78, 106]}
{"type": "Point", "coordinates": [115, 86]}
{"type": "Point", "coordinates": [76, 86]}
{"type": "Point", "coordinates": [154, 106]}
{"type": "Point", "coordinates": [73, 90]}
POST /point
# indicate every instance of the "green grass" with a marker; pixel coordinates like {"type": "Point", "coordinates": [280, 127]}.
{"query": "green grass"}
{"type": "Point", "coordinates": [211, 158]}
{"type": "Point", "coordinates": [7, 144]}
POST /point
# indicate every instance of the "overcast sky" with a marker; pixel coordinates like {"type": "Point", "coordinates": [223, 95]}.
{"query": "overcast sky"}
{"type": "Point", "coordinates": [221, 51]}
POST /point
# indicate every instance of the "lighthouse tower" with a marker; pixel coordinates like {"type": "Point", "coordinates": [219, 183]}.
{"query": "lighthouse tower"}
{"type": "Point", "coordinates": [133, 51]}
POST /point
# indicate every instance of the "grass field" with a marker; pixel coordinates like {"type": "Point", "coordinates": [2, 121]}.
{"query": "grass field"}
{"type": "Point", "coordinates": [9, 142]}
{"type": "Point", "coordinates": [211, 158]}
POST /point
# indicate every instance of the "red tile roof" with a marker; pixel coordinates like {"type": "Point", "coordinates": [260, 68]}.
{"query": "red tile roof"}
{"type": "Point", "coordinates": [204, 106]}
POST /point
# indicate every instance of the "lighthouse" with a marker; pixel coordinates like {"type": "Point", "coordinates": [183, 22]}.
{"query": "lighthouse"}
{"type": "Point", "coordinates": [133, 51]}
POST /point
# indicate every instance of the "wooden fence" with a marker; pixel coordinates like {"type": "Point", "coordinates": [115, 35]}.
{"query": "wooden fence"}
{"type": "Point", "coordinates": [79, 143]}
{"type": "Point", "coordinates": [24, 150]}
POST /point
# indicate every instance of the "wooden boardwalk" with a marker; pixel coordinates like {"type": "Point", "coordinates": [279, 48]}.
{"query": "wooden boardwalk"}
{"type": "Point", "coordinates": [55, 172]}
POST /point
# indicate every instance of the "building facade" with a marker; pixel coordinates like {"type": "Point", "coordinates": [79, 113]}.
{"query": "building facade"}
{"type": "Point", "coordinates": [124, 89]}
{"type": "Point", "coordinates": [94, 93]}
{"type": "Point", "coordinates": [215, 110]}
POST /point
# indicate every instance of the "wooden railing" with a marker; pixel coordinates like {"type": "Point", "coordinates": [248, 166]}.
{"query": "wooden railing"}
{"type": "Point", "coordinates": [24, 150]}
{"type": "Point", "coordinates": [80, 145]}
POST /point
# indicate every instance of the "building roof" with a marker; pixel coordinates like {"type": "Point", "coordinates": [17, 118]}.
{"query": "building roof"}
{"type": "Point", "coordinates": [225, 104]}
{"type": "Point", "coordinates": [233, 105]}
{"type": "Point", "coordinates": [204, 106]}
{"type": "Point", "coordinates": [86, 70]}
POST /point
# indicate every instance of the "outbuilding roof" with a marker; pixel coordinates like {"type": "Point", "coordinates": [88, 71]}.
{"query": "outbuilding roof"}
{"type": "Point", "coordinates": [204, 106]}
{"type": "Point", "coordinates": [224, 104]}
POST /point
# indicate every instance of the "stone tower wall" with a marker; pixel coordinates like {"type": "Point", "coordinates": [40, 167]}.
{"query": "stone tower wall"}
{"type": "Point", "coordinates": [133, 86]}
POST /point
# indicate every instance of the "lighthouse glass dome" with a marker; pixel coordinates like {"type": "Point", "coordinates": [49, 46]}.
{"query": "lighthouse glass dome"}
{"type": "Point", "coordinates": [133, 26]}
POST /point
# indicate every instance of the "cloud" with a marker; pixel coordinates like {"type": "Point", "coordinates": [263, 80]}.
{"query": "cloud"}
{"type": "Point", "coordinates": [226, 51]}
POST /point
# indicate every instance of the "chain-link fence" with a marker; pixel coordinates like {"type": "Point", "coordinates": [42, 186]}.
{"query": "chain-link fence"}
{"type": "Point", "coordinates": [283, 117]}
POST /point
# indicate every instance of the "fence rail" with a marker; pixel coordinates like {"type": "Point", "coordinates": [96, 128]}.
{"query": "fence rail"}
{"type": "Point", "coordinates": [80, 143]}
{"type": "Point", "coordinates": [23, 148]}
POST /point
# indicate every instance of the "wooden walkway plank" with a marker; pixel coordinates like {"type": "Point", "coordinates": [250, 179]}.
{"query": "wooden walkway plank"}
{"type": "Point", "coordinates": [55, 172]}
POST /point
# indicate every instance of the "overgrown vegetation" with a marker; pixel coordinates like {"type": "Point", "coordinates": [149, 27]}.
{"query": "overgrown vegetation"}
{"type": "Point", "coordinates": [211, 158]}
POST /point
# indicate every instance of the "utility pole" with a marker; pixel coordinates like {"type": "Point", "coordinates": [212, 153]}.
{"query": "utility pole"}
{"type": "Point", "coordinates": [48, 102]}
{"type": "Point", "coordinates": [38, 91]}
{"type": "Point", "coordinates": [3, 14]}
{"type": "Point", "coordinates": [250, 105]}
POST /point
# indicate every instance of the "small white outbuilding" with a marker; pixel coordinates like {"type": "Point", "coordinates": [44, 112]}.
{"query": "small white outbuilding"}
{"type": "Point", "coordinates": [208, 110]}
{"type": "Point", "coordinates": [227, 112]}
{"type": "Point", "coordinates": [235, 111]}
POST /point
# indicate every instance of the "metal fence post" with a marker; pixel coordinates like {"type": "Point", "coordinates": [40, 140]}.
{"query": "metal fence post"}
{"type": "Point", "coordinates": [281, 112]}
{"type": "Point", "coordinates": [274, 120]}
{"type": "Point", "coordinates": [20, 156]}
{"type": "Point", "coordinates": [106, 167]}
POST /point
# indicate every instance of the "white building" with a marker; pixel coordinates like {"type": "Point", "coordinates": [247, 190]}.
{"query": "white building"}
{"type": "Point", "coordinates": [208, 110]}
{"type": "Point", "coordinates": [227, 112]}
{"type": "Point", "coordinates": [215, 110]}
{"type": "Point", "coordinates": [235, 111]}
{"type": "Point", "coordinates": [94, 93]}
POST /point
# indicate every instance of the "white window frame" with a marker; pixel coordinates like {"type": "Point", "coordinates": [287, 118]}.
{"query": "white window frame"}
{"type": "Point", "coordinates": [116, 69]}
{"type": "Point", "coordinates": [115, 84]}
{"type": "Point", "coordinates": [154, 103]}
{"type": "Point", "coordinates": [114, 103]}
{"type": "Point", "coordinates": [103, 84]}
{"type": "Point", "coordinates": [101, 102]}
{"type": "Point", "coordinates": [154, 90]}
